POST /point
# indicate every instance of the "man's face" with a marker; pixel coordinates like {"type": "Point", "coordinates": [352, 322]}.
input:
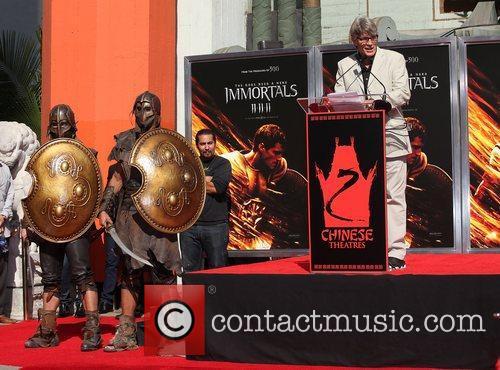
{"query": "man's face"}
{"type": "Point", "coordinates": [272, 155]}
{"type": "Point", "coordinates": [366, 45]}
{"type": "Point", "coordinates": [416, 149]}
{"type": "Point", "coordinates": [206, 146]}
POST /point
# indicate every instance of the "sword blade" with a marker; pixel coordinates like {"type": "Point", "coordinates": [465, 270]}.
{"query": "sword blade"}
{"type": "Point", "coordinates": [111, 231]}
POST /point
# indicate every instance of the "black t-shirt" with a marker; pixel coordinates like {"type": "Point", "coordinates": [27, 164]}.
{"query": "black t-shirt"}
{"type": "Point", "coordinates": [366, 71]}
{"type": "Point", "coordinates": [216, 209]}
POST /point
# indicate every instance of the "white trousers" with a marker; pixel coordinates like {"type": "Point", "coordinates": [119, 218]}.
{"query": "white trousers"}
{"type": "Point", "coordinates": [396, 206]}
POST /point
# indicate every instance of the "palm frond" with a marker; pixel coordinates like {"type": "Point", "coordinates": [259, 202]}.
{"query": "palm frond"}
{"type": "Point", "coordinates": [20, 79]}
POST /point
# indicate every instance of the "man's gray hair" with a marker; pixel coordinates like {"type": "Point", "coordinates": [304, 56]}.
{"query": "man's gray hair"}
{"type": "Point", "coordinates": [362, 25]}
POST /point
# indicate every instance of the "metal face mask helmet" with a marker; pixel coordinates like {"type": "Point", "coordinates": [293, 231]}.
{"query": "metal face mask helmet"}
{"type": "Point", "coordinates": [61, 122]}
{"type": "Point", "coordinates": [147, 110]}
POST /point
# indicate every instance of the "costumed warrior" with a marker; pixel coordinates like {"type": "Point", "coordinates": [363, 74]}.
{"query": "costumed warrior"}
{"type": "Point", "coordinates": [160, 249]}
{"type": "Point", "coordinates": [62, 124]}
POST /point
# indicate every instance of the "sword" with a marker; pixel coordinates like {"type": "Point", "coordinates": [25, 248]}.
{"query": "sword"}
{"type": "Point", "coordinates": [112, 232]}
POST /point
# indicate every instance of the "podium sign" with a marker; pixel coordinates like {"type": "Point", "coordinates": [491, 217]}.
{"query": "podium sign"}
{"type": "Point", "coordinates": [347, 207]}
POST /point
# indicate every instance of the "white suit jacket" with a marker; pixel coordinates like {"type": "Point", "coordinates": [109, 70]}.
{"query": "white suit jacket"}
{"type": "Point", "coordinates": [390, 68]}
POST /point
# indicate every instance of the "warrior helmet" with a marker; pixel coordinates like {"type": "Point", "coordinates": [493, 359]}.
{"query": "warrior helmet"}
{"type": "Point", "coordinates": [61, 122]}
{"type": "Point", "coordinates": [147, 111]}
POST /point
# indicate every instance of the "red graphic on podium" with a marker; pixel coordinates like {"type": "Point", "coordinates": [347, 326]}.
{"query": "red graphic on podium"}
{"type": "Point", "coordinates": [346, 192]}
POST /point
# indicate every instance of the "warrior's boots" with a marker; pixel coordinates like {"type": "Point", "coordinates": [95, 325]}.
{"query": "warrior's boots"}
{"type": "Point", "coordinates": [46, 334]}
{"type": "Point", "coordinates": [125, 338]}
{"type": "Point", "coordinates": [91, 332]}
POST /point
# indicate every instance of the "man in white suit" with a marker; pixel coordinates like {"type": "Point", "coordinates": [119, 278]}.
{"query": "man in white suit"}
{"type": "Point", "coordinates": [381, 76]}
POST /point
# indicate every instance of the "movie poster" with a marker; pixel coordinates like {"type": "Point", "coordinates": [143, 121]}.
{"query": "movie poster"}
{"type": "Point", "coordinates": [257, 97]}
{"type": "Point", "coordinates": [428, 116]}
{"type": "Point", "coordinates": [483, 99]}
{"type": "Point", "coordinates": [346, 167]}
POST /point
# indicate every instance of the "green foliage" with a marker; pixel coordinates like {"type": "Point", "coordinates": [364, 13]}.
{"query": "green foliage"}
{"type": "Point", "coordinates": [20, 79]}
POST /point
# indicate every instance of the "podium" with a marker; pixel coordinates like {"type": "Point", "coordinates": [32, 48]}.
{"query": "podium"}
{"type": "Point", "coordinates": [346, 188]}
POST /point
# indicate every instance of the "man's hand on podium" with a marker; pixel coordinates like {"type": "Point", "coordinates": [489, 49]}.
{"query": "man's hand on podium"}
{"type": "Point", "coordinates": [382, 105]}
{"type": "Point", "coordinates": [368, 103]}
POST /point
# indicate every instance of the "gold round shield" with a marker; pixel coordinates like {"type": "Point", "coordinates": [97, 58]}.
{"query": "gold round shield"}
{"type": "Point", "coordinates": [172, 194]}
{"type": "Point", "coordinates": [66, 192]}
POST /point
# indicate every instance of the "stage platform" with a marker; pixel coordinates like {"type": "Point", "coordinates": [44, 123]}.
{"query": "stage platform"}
{"type": "Point", "coordinates": [445, 304]}
{"type": "Point", "coordinates": [432, 284]}
{"type": "Point", "coordinates": [68, 356]}
{"type": "Point", "coordinates": [417, 264]}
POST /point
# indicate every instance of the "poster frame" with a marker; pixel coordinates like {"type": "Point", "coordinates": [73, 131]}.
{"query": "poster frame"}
{"type": "Point", "coordinates": [463, 42]}
{"type": "Point", "coordinates": [311, 88]}
{"type": "Point", "coordinates": [457, 190]}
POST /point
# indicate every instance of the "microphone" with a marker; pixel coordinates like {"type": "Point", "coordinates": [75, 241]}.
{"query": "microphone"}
{"type": "Point", "coordinates": [380, 82]}
{"type": "Point", "coordinates": [343, 74]}
{"type": "Point", "coordinates": [378, 104]}
{"type": "Point", "coordinates": [381, 104]}
{"type": "Point", "coordinates": [371, 74]}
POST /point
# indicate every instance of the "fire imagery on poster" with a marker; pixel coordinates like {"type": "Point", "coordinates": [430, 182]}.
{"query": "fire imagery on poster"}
{"type": "Point", "coordinates": [428, 115]}
{"type": "Point", "coordinates": [484, 144]}
{"type": "Point", "coordinates": [237, 98]}
{"type": "Point", "coordinates": [347, 216]}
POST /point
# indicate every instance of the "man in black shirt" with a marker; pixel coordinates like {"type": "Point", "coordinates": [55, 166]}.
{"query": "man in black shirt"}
{"type": "Point", "coordinates": [210, 234]}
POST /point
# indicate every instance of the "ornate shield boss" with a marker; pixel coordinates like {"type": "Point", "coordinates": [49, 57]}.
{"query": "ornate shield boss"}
{"type": "Point", "coordinates": [66, 192]}
{"type": "Point", "coordinates": [172, 193]}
